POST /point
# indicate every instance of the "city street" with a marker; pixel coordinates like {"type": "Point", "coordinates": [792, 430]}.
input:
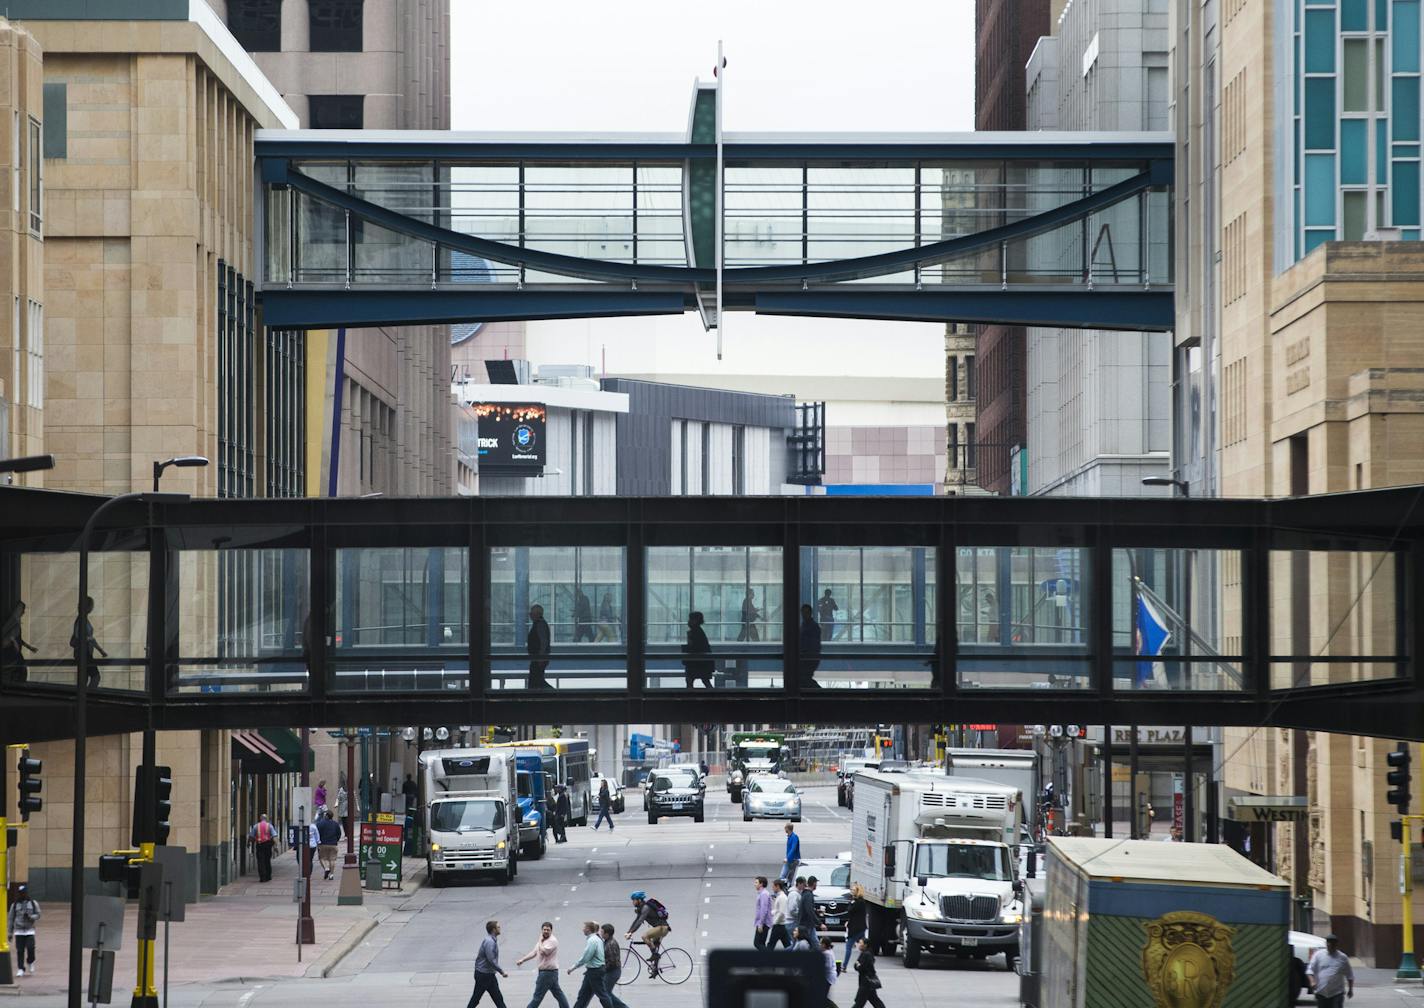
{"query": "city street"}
{"type": "Point", "coordinates": [422, 947]}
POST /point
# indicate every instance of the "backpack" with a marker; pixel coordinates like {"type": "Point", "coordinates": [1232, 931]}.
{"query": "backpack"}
{"type": "Point", "coordinates": [658, 910]}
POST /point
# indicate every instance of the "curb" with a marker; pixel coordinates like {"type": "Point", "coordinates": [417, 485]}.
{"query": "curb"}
{"type": "Point", "coordinates": [344, 946]}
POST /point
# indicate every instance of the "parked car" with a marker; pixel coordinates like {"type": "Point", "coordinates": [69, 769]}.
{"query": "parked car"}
{"type": "Point", "coordinates": [615, 791]}
{"type": "Point", "coordinates": [845, 771]}
{"type": "Point", "coordinates": [768, 797]}
{"type": "Point", "coordinates": [1302, 947]}
{"type": "Point", "coordinates": [675, 792]}
{"type": "Point", "coordinates": [832, 889]}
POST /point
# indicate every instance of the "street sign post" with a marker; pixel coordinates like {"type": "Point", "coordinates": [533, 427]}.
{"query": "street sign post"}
{"type": "Point", "coordinates": [383, 842]}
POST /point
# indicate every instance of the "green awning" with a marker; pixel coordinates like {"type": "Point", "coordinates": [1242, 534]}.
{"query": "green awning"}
{"type": "Point", "coordinates": [289, 746]}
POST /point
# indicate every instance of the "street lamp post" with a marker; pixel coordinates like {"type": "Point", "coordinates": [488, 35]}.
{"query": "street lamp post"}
{"type": "Point", "coordinates": [81, 702]}
{"type": "Point", "coordinates": [180, 462]}
{"type": "Point", "coordinates": [1188, 789]}
{"type": "Point", "coordinates": [349, 893]}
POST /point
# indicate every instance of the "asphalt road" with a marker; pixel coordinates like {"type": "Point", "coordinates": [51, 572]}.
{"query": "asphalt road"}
{"type": "Point", "coordinates": [421, 954]}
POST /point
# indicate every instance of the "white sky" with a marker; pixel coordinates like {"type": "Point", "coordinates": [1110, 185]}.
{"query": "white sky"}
{"type": "Point", "coordinates": [792, 65]}
{"type": "Point", "coordinates": [628, 65]}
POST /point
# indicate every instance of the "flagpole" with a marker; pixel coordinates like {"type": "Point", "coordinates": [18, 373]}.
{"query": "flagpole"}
{"type": "Point", "coordinates": [1132, 820]}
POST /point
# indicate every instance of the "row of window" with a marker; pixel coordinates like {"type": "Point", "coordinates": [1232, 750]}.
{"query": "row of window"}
{"type": "Point", "coordinates": [332, 25]}
{"type": "Point", "coordinates": [27, 339]}
{"type": "Point", "coordinates": [967, 386]}
{"type": "Point", "coordinates": [693, 466]}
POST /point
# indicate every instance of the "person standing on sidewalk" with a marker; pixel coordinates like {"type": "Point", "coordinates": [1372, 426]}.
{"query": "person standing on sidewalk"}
{"type": "Point", "coordinates": [605, 806]}
{"type": "Point", "coordinates": [328, 837]}
{"type": "Point", "coordinates": [24, 916]}
{"type": "Point", "coordinates": [487, 968]}
{"type": "Point", "coordinates": [832, 969]}
{"type": "Point", "coordinates": [593, 969]}
{"type": "Point", "coordinates": [761, 920]}
{"type": "Point", "coordinates": [263, 835]}
{"type": "Point", "coordinates": [612, 965]}
{"type": "Point", "coordinates": [793, 853]}
{"type": "Point", "coordinates": [545, 954]}
{"type": "Point", "coordinates": [856, 921]}
{"type": "Point", "coordinates": [778, 935]}
{"type": "Point", "coordinates": [319, 795]}
{"type": "Point", "coordinates": [1330, 975]}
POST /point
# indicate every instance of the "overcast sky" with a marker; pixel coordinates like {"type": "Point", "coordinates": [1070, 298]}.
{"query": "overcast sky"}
{"type": "Point", "coordinates": [628, 65]}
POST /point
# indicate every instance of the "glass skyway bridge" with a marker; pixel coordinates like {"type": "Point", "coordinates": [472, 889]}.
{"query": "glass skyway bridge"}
{"type": "Point", "coordinates": [366, 227]}
{"type": "Point", "coordinates": [246, 613]}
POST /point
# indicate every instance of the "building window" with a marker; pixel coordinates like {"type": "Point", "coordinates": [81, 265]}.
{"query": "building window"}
{"type": "Point", "coordinates": [36, 177]}
{"type": "Point", "coordinates": [34, 357]}
{"type": "Point", "coordinates": [335, 25]}
{"type": "Point", "coordinates": [971, 448]}
{"type": "Point", "coordinates": [954, 460]}
{"type": "Point", "coordinates": [739, 460]}
{"type": "Point", "coordinates": [286, 413]}
{"type": "Point", "coordinates": [682, 437]}
{"type": "Point", "coordinates": [953, 379]}
{"type": "Point", "coordinates": [706, 487]}
{"type": "Point", "coordinates": [335, 112]}
{"type": "Point", "coordinates": [588, 454]}
{"type": "Point", "coordinates": [969, 379]}
{"type": "Point", "coordinates": [256, 24]}
{"type": "Point", "coordinates": [236, 385]}
{"type": "Point", "coordinates": [15, 162]}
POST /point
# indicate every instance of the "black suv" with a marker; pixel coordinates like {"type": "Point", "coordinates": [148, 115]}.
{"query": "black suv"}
{"type": "Point", "coordinates": [675, 792]}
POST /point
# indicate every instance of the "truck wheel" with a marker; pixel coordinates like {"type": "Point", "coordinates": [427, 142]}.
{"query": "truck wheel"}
{"type": "Point", "coordinates": [652, 818]}
{"type": "Point", "coordinates": [911, 953]}
{"type": "Point", "coordinates": [509, 872]}
{"type": "Point", "coordinates": [437, 879]}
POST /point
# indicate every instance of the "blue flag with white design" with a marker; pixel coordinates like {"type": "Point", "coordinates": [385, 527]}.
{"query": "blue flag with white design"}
{"type": "Point", "coordinates": [1152, 637]}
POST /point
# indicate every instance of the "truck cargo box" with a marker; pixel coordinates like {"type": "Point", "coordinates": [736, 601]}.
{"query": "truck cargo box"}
{"type": "Point", "coordinates": [1147, 924]}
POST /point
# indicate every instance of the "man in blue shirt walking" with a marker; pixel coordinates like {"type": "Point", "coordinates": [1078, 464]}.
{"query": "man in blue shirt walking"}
{"type": "Point", "coordinates": [487, 968]}
{"type": "Point", "coordinates": [793, 853]}
{"type": "Point", "coordinates": [592, 962]}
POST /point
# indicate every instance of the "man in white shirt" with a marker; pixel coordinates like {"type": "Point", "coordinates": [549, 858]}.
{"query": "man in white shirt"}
{"type": "Point", "coordinates": [1330, 975]}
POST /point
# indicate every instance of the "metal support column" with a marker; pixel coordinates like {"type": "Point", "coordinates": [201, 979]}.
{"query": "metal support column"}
{"type": "Point", "coordinates": [1107, 783]}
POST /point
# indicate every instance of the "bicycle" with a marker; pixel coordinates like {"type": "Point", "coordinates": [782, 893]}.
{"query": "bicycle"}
{"type": "Point", "coordinates": [674, 965]}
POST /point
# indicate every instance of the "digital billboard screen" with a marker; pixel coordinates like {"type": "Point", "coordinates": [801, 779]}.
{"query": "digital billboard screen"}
{"type": "Point", "coordinates": [511, 438]}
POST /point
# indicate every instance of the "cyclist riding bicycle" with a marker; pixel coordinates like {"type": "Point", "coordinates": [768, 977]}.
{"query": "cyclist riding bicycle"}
{"type": "Point", "coordinates": [654, 914]}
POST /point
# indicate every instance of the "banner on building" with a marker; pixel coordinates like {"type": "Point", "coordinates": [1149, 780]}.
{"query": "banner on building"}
{"type": "Point", "coordinates": [511, 438]}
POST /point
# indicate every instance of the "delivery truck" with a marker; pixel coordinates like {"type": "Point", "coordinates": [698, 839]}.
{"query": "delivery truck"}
{"type": "Point", "coordinates": [471, 815]}
{"type": "Point", "coordinates": [936, 857]}
{"type": "Point", "coordinates": [536, 788]}
{"type": "Point", "coordinates": [1144, 923]}
{"type": "Point", "coordinates": [1018, 768]}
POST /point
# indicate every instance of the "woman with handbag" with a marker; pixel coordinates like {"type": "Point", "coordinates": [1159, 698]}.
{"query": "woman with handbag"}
{"type": "Point", "coordinates": [868, 990]}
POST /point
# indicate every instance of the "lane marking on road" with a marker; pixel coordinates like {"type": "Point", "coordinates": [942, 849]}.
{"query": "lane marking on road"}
{"type": "Point", "coordinates": [573, 888]}
{"type": "Point", "coordinates": [242, 1001]}
{"type": "Point", "coordinates": [704, 934]}
{"type": "Point", "coordinates": [706, 916]}
{"type": "Point", "coordinates": [707, 899]}
{"type": "Point", "coordinates": [708, 884]}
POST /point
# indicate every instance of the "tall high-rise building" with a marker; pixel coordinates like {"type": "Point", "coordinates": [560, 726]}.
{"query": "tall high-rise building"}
{"type": "Point", "coordinates": [365, 64]}
{"type": "Point", "coordinates": [1299, 298]}
{"type": "Point", "coordinates": [1098, 420]}
{"type": "Point", "coordinates": [1005, 32]}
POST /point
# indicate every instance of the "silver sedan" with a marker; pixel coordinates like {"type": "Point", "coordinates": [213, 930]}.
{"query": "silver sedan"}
{"type": "Point", "coordinates": [770, 798]}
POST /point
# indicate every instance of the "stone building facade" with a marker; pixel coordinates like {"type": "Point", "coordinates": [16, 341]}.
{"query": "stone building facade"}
{"type": "Point", "coordinates": [22, 347]}
{"type": "Point", "coordinates": [148, 217]}
{"type": "Point", "coordinates": [1299, 364]}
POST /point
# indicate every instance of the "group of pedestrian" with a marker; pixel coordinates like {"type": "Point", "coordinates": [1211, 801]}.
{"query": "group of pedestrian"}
{"type": "Point", "coordinates": [601, 959]}
{"type": "Point", "coordinates": [786, 920]}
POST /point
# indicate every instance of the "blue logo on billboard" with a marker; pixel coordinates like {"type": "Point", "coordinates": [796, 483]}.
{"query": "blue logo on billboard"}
{"type": "Point", "coordinates": [524, 437]}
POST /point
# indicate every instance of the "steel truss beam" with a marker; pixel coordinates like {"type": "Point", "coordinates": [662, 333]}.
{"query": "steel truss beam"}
{"type": "Point", "coordinates": [1383, 520]}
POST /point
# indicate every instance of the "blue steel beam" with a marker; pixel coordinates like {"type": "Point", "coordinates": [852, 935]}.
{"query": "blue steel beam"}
{"type": "Point", "coordinates": [1133, 311]}
{"type": "Point", "coordinates": [357, 308]}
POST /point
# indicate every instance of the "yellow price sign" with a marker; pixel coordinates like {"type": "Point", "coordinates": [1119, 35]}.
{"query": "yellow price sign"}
{"type": "Point", "coordinates": [385, 817]}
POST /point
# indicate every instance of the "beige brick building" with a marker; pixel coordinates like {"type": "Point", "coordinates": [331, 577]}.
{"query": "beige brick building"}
{"type": "Point", "coordinates": [1311, 365]}
{"type": "Point", "coordinates": [22, 354]}
{"type": "Point", "coordinates": [147, 219]}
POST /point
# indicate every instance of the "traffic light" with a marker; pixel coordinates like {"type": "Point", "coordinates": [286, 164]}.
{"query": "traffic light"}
{"type": "Point", "coordinates": [1398, 779]}
{"type": "Point", "coordinates": [117, 868]}
{"type": "Point", "coordinates": [29, 785]}
{"type": "Point", "coordinates": [153, 796]}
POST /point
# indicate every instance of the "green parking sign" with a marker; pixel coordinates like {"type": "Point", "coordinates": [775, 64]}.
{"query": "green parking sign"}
{"type": "Point", "coordinates": [383, 842]}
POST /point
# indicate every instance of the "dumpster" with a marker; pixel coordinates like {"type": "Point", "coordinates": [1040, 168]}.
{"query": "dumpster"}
{"type": "Point", "coordinates": [1147, 924]}
{"type": "Point", "coordinates": [1030, 961]}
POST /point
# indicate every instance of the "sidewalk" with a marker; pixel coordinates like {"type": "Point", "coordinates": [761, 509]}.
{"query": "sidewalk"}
{"type": "Point", "coordinates": [246, 931]}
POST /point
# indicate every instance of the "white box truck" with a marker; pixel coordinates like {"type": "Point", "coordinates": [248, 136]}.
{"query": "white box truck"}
{"type": "Point", "coordinates": [936, 857]}
{"type": "Point", "coordinates": [471, 813]}
{"type": "Point", "coordinates": [1018, 768]}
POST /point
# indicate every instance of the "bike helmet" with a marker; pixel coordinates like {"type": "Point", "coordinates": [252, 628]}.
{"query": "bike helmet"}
{"type": "Point", "coordinates": [639, 895]}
